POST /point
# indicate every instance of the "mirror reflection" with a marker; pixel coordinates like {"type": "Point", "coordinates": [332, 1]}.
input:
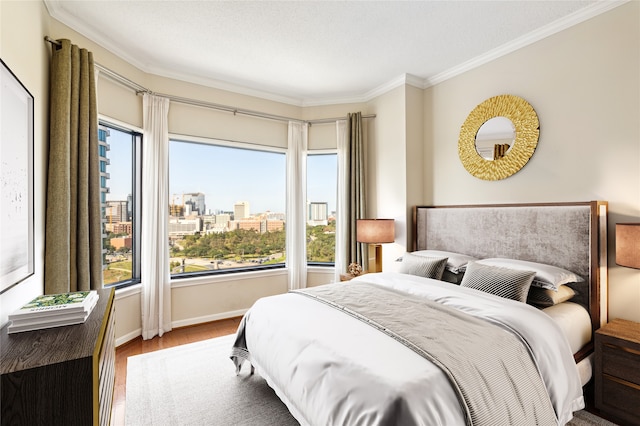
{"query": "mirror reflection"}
{"type": "Point", "coordinates": [495, 138]}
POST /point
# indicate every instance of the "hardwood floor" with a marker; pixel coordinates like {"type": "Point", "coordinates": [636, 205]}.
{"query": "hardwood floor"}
{"type": "Point", "coordinates": [178, 336]}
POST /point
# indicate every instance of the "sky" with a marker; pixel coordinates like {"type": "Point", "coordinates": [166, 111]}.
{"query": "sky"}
{"type": "Point", "coordinates": [225, 175]}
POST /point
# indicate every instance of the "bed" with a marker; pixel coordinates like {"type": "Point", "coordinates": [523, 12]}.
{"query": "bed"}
{"type": "Point", "coordinates": [401, 348]}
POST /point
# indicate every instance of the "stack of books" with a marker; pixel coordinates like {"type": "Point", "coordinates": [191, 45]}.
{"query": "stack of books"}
{"type": "Point", "coordinates": [53, 310]}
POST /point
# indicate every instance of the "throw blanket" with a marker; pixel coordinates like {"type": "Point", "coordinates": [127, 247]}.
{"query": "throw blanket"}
{"type": "Point", "coordinates": [490, 369]}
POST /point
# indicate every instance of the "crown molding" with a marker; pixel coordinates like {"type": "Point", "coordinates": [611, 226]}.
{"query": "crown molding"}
{"type": "Point", "coordinates": [597, 8]}
{"type": "Point", "coordinates": [59, 13]}
{"type": "Point", "coordinates": [575, 18]}
{"type": "Point", "coordinates": [401, 80]}
{"type": "Point", "coordinates": [225, 85]}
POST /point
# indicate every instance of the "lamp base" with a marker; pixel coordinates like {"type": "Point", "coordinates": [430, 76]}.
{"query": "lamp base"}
{"type": "Point", "coordinates": [375, 258]}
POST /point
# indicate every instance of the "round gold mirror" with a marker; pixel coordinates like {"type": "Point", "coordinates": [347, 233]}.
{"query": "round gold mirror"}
{"type": "Point", "coordinates": [498, 137]}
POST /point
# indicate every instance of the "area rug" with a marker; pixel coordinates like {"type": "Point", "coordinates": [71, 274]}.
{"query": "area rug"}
{"type": "Point", "coordinates": [196, 384]}
{"type": "Point", "coordinates": [585, 418]}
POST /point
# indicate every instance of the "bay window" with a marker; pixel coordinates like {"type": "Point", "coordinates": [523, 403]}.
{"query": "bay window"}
{"type": "Point", "coordinates": [227, 203]}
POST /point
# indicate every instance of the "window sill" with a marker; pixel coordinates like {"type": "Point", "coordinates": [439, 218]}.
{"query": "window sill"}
{"type": "Point", "coordinates": [223, 278]}
{"type": "Point", "coordinates": [316, 269]}
{"type": "Point", "coordinates": [128, 291]}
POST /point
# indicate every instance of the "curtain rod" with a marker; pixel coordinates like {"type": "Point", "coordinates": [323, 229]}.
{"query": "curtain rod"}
{"type": "Point", "coordinates": [141, 89]}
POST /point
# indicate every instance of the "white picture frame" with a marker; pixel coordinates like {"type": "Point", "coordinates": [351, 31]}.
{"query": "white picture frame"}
{"type": "Point", "coordinates": [16, 181]}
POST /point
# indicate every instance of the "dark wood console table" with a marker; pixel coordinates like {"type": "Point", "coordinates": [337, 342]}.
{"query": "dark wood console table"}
{"type": "Point", "coordinates": [60, 376]}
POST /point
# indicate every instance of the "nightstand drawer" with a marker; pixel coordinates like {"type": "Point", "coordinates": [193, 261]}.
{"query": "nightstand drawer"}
{"type": "Point", "coordinates": [621, 398]}
{"type": "Point", "coordinates": [620, 361]}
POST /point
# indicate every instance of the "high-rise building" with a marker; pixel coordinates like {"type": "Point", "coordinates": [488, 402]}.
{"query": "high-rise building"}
{"type": "Point", "coordinates": [223, 218]}
{"type": "Point", "coordinates": [317, 213]}
{"type": "Point", "coordinates": [181, 227]}
{"type": "Point", "coordinates": [129, 204]}
{"type": "Point", "coordinates": [116, 211]}
{"type": "Point", "coordinates": [176, 210]}
{"type": "Point", "coordinates": [103, 148]}
{"type": "Point", "coordinates": [194, 201]}
{"type": "Point", "coordinates": [241, 210]}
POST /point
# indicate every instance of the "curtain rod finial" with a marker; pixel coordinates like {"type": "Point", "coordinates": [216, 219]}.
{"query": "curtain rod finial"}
{"type": "Point", "coordinates": [52, 41]}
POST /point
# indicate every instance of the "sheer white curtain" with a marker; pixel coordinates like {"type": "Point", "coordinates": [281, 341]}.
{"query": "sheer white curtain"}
{"type": "Point", "coordinates": [342, 205]}
{"type": "Point", "coordinates": [296, 205]}
{"type": "Point", "coordinates": [156, 283]}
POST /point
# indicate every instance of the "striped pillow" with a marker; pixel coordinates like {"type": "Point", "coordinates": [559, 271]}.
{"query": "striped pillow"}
{"type": "Point", "coordinates": [508, 283]}
{"type": "Point", "coordinates": [423, 266]}
{"type": "Point", "coordinates": [544, 298]}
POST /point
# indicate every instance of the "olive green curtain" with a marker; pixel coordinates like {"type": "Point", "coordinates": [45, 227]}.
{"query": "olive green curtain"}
{"type": "Point", "coordinates": [357, 193]}
{"type": "Point", "coordinates": [73, 242]}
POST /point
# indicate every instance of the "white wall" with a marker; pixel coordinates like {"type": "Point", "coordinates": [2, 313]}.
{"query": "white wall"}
{"type": "Point", "coordinates": [22, 48]}
{"type": "Point", "coordinates": [386, 170]}
{"type": "Point", "coordinates": [584, 84]}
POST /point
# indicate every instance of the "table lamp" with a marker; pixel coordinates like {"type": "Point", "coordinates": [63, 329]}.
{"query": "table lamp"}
{"type": "Point", "coordinates": [375, 232]}
{"type": "Point", "coordinates": [628, 245]}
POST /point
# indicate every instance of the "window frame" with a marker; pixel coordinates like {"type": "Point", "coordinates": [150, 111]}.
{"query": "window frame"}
{"type": "Point", "coordinates": [251, 146]}
{"type": "Point", "coordinates": [136, 173]}
{"type": "Point", "coordinates": [323, 151]}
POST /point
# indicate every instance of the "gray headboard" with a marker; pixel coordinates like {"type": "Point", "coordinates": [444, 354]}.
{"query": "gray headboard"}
{"type": "Point", "coordinates": [568, 235]}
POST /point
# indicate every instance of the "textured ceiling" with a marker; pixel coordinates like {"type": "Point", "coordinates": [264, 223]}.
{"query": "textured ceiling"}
{"type": "Point", "coordinates": [315, 52]}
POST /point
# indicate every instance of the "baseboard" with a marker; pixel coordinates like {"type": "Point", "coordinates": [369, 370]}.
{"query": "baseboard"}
{"type": "Point", "coordinates": [127, 337]}
{"type": "Point", "coordinates": [208, 318]}
{"type": "Point", "coordinates": [185, 323]}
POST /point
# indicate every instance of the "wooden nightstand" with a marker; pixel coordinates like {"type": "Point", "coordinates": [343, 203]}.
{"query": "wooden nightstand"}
{"type": "Point", "coordinates": [617, 370]}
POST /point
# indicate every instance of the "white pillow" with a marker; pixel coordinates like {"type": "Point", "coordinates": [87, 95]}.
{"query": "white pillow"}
{"type": "Point", "coordinates": [456, 262]}
{"type": "Point", "coordinates": [429, 267]}
{"type": "Point", "coordinates": [547, 276]}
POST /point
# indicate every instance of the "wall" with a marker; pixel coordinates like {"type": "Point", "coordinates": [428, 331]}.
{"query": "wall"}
{"type": "Point", "coordinates": [385, 166]}
{"type": "Point", "coordinates": [22, 48]}
{"type": "Point", "coordinates": [584, 84]}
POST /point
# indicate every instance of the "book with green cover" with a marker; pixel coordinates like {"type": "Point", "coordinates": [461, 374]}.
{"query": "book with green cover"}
{"type": "Point", "coordinates": [61, 318]}
{"type": "Point", "coordinates": [55, 304]}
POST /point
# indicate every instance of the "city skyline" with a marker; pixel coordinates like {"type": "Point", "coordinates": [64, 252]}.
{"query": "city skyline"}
{"type": "Point", "coordinates": [214, 171]}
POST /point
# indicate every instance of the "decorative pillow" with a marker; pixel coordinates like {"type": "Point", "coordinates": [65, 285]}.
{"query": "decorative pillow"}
{"type": "Point", "coordinates": [456, 262]}
{"type": "Point", "coordinates": [547, 276]}
{"type": "Point", "coordinates": [544, 298]}
{"type": "Point", "coordinates": [451, 277]}
{"type": "Point", "coordinates": [430, 267]}
{"type": "Point", "coordinates": [508, 283]}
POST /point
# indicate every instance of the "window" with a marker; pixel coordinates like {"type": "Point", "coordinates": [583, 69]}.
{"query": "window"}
{"type": "Point", "coordinates": [322, 175]}
{"type": "Point", "coordinates": [227, 204]}
{"type": "Point", "coordinates": [120, 185]}
{"type": "Point", "coordinates": [226, 207]}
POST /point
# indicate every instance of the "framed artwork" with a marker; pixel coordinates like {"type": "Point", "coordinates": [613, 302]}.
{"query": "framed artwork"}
{"type": "Point", "coordinates": [16, 181]}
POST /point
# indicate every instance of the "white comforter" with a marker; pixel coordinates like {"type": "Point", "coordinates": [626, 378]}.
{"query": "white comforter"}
{"type": "Point", "coordinates": [332, 369]}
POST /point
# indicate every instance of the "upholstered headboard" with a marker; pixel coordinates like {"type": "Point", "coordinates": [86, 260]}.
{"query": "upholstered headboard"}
{"type": "Point", "coordinates": [569, 235]}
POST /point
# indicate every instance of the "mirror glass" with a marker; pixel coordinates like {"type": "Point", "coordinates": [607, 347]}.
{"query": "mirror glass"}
{"type": "Point", "coordinates": [495, 138]}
